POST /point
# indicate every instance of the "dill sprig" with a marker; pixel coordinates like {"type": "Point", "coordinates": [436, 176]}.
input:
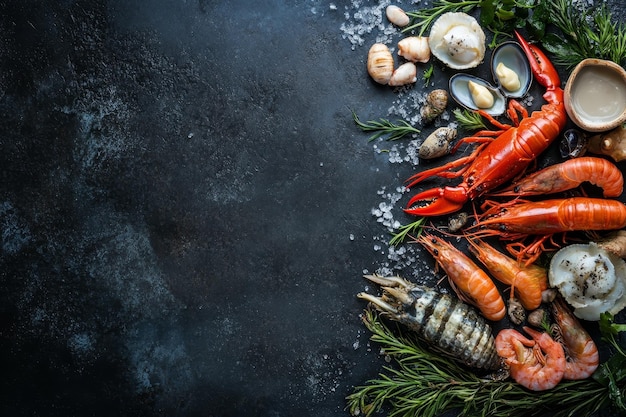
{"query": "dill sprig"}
{"type": "Point", "coordinates": [407, 230]}
{"type": "Point", "coordinates": [423, 383]}
{"type": "Point", "coordinates": [586, 33]}
{"type": "Point", "coordinates": [382, 127]}
{"type": "Point", "coordinates": [469, 120]}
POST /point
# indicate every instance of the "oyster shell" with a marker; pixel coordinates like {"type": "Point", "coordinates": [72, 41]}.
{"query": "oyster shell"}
{"type": "Point", "coordinates": [511, 55]}
{"type": "Point", "coordinates": [457, 40]}
{"type": "Point", "coordinates": [460, 91]}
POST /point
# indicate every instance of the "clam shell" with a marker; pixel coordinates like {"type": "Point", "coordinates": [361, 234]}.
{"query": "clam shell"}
{"type": "Point", "coordinates": [459, 90]}
{"type": "Point", "coordinates": [457, 40]}
{"type": "Point", "coordinates": [437, 144]}
{"type": "Point", "coordinates": [514, 58]}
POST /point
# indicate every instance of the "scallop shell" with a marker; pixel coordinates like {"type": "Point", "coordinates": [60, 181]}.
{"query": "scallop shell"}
{"type": "Point", "coordinates": [380, 63]}
{"type": "Point", "coordinates": [414, 48]}
{"type": "Point", "coordinates": [459, 90]}
{"type": "Point", "coordinates": [397, 16]}
{"type": "Point", "coordinates": [457, 40]}
{"type": "Point", "coordinates": [513, 57]}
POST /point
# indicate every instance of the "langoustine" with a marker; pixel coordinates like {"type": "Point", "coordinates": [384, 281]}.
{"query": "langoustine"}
{"type": "Point", "coordinates": [568, 175]}
{"type": "Point", "coordinates": [542, 219]}
{"type": "Point", "coordinates": [450, 326]}
{"type": "Point", "coordinates": [470, 282]}
{"type": "Point", "coordinates": [527, 281]}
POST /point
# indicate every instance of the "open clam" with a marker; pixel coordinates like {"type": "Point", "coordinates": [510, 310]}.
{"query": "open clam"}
{"type": "Point", "coordinates": [511, 72]}
{"type": "Point", "coordinates": [510, 56]}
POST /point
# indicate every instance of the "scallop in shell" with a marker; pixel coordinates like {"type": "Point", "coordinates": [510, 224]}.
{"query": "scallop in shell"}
{"type": "Point", "coordinates": [460, 91]}
{"type": "Point", "coordinates": [457, 40]}
{"type": "Point", "coordinates": [511, 69]}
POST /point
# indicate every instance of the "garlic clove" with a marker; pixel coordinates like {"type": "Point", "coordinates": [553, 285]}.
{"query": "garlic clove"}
{"type": "Point", "coordinates": [414, 48]}
{"type": "Point", "coordinates": [380, 63]}
{"type": "Point", "coordinates": [397, 16]}
{"type": "Point", "coordinates": [481, 95]}
{"type": "Point", "coordinates": [507, 77]}
{"type": "Point", "coordinates": [404, 74]}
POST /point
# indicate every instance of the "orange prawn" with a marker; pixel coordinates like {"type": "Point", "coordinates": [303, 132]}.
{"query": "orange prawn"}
{"type": "Point", "coordinates": [470, 282]}
{"type": "Point", "coordinates": [568, 175]}
{"type": "Point", "coordinates": [527, 281]}
{"type": "Point", "coordinates": [517, 220]}
{"type": "Point", "coordinates": [582, 357]}
{"type": "Point", "coordinates": [537, 364]}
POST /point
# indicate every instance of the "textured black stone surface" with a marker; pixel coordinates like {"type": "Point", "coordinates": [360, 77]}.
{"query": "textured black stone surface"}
{"type": "Point", "coordinates": [179, 184]}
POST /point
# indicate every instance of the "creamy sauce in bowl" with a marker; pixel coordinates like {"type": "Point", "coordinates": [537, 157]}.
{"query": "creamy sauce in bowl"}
{"type": "Point", "coordinates": [599, 94]}
{"type": "Point", "coordinates": [595, 95]}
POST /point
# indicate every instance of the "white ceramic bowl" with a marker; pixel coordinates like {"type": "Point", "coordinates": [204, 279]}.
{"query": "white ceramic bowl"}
{"type": "Point", "coordinates": [595, 95]}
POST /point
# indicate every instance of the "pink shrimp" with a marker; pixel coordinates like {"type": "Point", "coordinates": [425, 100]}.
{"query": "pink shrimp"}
{"type": "Point", "coordinates": [582, 357]}
{"type": "Point", "coordinates": [537, 364]}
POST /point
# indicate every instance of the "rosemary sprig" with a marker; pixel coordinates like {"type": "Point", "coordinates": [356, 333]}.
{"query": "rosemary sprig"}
{"type": "Point", "coordinates": [422, 19]}
{"type": "Point", "coordinates": [587, 33]}
{"type": "Point", "coordinates": [469, 120]}
{"type": "Point", "coordinates": [384, 127]}
{"type": "Point", "coordinates": [407, 230]}
{"type": "Point", "coordinates": [424, 383]}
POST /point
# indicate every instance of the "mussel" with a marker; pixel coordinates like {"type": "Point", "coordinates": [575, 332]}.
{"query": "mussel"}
{"type": "Point", "coordinates": [512, 76]}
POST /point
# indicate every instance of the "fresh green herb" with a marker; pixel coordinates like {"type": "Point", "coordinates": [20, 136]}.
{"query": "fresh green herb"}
{"type": "Point", "coordinates": [612, 373]}
{"type": "Point", "coordinates": [422, 19]}
{"type": "Point", "coordinates": [423, 383]}
{"type": "Point", "coordinates": [499, 16]}
{"type": "Point", "coordinates": [469, 120]}
{"type": "Point", "coordinates": [428, 74]}
{"type": "Point", "coordinates": [384, 127]}
{"type": "Point", "coordinates": [586, 33]}
{"type": "Point", "coordinates": [407, 230]}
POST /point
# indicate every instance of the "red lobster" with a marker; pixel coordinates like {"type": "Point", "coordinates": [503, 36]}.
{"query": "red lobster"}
{"type": "Point", "coordinates": [500, 159]}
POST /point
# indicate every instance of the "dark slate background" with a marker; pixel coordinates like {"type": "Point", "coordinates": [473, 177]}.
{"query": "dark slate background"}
{"type": "Point", "coordinates": [185, 208]}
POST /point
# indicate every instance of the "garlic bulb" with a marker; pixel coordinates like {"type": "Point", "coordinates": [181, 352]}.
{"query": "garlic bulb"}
{"type": "Point", "coordinates": [414, 48]}
{"type": "Point", "coordinates": [590, 279]}
{"type": "Point", "coordinates": [397, 16]}
{"type": "Point", "coordinates": [481, 95]}
{"type": "Point", "coordinates": [380, 63]}
{"type": "Point", "coordinates": [507, 77]}
{"type": "Point", "coordinates": [404, 74]}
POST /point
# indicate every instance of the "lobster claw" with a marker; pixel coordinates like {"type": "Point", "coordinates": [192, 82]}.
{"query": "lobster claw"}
{"type": "Point", "coordinates": [544, 72]}
{"type": "Point", "coordinates": [439, 201]}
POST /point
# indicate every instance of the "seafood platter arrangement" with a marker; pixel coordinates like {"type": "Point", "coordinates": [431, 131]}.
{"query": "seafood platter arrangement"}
{"type": "Point", "coordinates": [532, 320]}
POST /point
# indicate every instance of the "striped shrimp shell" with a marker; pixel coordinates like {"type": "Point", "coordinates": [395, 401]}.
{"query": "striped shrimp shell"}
{"type": "Point", "coordinates": [448, 325]}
